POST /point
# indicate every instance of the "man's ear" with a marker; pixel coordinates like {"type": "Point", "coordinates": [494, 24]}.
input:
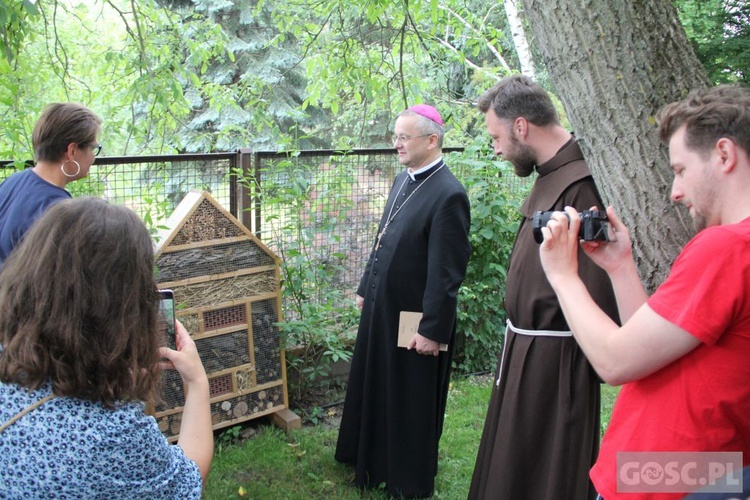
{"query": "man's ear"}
{"type": "Point", "coordinates": [726, 153]}
{"type": "Point", "coordinates": [520, 127]}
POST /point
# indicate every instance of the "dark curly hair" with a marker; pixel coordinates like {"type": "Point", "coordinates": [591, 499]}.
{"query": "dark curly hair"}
{"type": "Point", "coordinates": [78, 305]}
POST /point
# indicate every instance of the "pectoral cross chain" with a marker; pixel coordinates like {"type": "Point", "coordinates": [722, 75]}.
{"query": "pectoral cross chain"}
{"type": "Point", "coordinates": [392, 214]}
{"type": "Point", "coordinates": [380, 237]}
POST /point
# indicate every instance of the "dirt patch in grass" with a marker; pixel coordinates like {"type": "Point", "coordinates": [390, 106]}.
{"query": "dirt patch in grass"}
{"type": "Point", "coordinates": [321, 405]}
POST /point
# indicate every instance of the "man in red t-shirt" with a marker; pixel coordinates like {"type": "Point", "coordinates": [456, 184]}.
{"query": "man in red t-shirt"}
{"type": "Point", "coordinates": [683, 354]}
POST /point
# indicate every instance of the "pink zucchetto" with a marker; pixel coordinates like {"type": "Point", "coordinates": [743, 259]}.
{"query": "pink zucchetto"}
{"type": "Point", "coordinates": [428, 112]}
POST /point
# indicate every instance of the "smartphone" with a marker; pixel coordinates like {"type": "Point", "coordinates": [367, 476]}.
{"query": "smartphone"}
{"type": "Point", "coordinates": [166, 314]}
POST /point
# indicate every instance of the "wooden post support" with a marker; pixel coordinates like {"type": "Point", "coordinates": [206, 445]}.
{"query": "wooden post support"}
{"type": "Point", "coordinates": [286, 419]}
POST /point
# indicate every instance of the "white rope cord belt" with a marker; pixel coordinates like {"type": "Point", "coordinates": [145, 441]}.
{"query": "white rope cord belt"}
{"type": "Point", "coordinates": [541, 333]}
{"type": "Point", "coordinates": [521, 331]}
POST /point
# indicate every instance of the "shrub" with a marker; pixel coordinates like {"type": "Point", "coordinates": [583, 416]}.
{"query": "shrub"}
{"type": "Point", "coordinates": [495, 194]}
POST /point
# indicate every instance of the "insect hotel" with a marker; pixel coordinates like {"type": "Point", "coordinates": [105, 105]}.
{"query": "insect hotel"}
{"type": "Point", "coordinates": [227, 294]}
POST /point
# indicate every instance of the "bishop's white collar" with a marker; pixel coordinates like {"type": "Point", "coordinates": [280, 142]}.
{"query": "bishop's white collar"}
{"type": "Point", "coordinates": [423, 169]}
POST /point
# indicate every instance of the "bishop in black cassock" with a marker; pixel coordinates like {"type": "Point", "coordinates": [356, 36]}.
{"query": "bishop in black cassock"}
{"type": "Point", "coordinates": [395, 400]}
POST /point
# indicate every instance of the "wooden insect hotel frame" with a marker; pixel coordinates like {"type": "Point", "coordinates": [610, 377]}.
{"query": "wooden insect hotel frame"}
{"type": "Point", "coordinates": [227, 294]}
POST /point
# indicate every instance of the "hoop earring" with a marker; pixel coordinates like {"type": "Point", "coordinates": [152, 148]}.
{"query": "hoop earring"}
{"type": "Point", "coordinates": [62, 167]}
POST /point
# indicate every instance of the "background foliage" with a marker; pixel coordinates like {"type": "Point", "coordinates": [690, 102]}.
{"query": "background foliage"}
{"type": "Point", "coordinates": [205, 75]}
{"type": "Point", "coordinates": [320, 318]}
{"type": "Point", "coordinates": [720, 33]}
{"type": "Point", "coordinates": [495, 195]}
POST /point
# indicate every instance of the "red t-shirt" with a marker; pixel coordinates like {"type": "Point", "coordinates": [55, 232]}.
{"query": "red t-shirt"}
{"type": "Point", "coordinates": [700, 402]}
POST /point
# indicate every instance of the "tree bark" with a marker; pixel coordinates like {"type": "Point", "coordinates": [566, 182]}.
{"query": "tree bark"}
{"type": "Point", "coordinates": [614, 64]}
{"type": "Point", "coordinates": [515, 22]}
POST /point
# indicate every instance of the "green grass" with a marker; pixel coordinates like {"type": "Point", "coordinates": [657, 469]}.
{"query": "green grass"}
{"type": "Point", "coordinates": [609, 395]}
{"type": "Point", "coordinates": [274, 465]}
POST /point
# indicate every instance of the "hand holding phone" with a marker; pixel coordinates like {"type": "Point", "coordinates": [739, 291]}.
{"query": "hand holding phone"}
{"type": "Point", "coordinates": [166, 313]}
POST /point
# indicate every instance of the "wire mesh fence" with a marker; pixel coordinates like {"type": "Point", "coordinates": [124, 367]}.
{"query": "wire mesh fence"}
{"type": "Point", "coordinates": [154, 185]}
{"type": "Point", "coordinates": [318, 210]}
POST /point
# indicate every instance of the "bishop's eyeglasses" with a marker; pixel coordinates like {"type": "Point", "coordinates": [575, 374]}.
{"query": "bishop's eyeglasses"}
{"type": "Point", "coordinates": [403, 139]}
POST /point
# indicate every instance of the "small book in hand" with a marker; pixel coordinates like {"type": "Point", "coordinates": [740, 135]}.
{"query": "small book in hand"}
{"type": "Point", "coordinates": [408, 325]}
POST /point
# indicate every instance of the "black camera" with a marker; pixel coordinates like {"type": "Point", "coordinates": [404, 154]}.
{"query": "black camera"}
{"type": "Point", "coordinates": [594, 226]}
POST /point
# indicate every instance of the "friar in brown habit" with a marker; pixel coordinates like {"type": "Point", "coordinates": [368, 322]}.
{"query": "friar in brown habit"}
{"type": "Point", "coordinates": [541, 434]}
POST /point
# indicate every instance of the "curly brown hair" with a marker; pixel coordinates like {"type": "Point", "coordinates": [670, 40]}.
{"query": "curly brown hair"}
{"type": "Point", "coordinates": [78, 305]}
{"type": "Point", "coordinates": [709, 115]}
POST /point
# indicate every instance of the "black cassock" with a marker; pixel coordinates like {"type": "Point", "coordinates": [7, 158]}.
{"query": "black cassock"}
{"type": "Point", "coordinates": [395, 399]}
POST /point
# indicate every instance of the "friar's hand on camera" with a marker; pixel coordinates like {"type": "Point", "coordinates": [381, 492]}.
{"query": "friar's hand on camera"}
{"type": "Point", "coordinates": [611, 255]}
{"type": "Point", "coordinates": [185, 358]}
{"type": "Point", "coordinates": [559, 250]}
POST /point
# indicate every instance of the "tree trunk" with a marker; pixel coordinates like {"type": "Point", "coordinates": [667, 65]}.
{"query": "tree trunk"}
{"type": "Point", "coordinates": [614, 64]}
{"type": "Point", "coordinates": [515, 23]}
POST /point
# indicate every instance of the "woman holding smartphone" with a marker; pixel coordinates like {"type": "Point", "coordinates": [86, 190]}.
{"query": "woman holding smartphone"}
{"type": "Point", "coordinates": [80, 354]}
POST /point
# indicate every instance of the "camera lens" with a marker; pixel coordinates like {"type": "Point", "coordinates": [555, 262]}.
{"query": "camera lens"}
{"type": "Point", "coordinates": [540, 219]}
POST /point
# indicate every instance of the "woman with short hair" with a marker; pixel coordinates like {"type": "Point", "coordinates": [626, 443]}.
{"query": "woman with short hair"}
{"type": "Point", "coordinates": [65, 141]}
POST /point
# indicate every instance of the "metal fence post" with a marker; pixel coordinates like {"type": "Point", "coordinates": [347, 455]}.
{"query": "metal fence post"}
{"type": "Point", "coordinates": [245, 208]}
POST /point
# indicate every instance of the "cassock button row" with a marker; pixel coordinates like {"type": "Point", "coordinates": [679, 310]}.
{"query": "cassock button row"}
{"type": "Point", "coordinates": [376, 259]}
{"type": "Point", "coordinates": [375, 273]}
{"type": "Point", "coordinates": [373, 285]}
{"type": "Point", "coordinates": [403, 194]}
